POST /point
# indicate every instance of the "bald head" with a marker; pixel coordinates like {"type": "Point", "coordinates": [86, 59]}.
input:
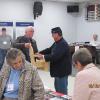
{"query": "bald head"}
{"type": "Point", "coordinates": [29, 31]}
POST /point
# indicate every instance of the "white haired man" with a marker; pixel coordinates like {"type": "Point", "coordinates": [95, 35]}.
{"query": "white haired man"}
{"type": "Point", "coordinates": [23, 42]}
{"type": "Point", "coordinates": [95, 41]}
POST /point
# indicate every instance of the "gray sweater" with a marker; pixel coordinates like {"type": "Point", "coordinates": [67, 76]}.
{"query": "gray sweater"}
{"type": "Point", "coordinates": [5, 41]}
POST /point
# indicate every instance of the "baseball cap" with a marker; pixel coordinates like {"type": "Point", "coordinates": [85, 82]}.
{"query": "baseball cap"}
{"type": "Point", "coordinates": [56, 30]}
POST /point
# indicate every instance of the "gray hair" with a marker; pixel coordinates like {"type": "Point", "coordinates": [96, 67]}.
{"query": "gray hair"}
{"type": "Point", "coordinates": [83, 56]}
{"type": "Point", "coordinates": [13, 53]}
{"type": "Point", "coordinates": [29, 28]}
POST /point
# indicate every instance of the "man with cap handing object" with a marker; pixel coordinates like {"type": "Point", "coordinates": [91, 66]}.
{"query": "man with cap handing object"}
{"type": "Point", "coordinates": [60, 60]}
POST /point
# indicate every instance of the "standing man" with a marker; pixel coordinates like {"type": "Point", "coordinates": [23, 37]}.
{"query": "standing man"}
{"type": "Point", "coordinates": [23, 42]}
{"type": "Point", "coordinates": [60, 60]}
{"type": "Point", "coordinates": [5, 44]}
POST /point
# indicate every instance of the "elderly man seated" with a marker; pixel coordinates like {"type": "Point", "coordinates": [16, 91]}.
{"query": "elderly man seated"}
{"type": "Point", "coordinates": [19, 80]}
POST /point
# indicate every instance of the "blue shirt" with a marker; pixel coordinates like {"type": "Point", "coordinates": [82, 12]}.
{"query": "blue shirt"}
{"type": "Point", "coordinates": [12, 85]}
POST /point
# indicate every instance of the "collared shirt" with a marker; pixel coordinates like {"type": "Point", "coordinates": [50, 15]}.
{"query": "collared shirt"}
{"type": "Point", "coordinates": [95, 43]}
{"type": "Point", "coordinates": [12, 86]}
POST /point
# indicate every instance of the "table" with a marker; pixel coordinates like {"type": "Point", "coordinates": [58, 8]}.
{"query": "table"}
{"type": "Point", "coordinates": [92, 50]}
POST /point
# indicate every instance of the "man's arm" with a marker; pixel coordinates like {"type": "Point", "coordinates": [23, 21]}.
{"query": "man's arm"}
{"type": "Point", "coordinates": [34, 45]}
{"type": "Point", "coordinates": [55, 55]}
{"type": "Point", "coordinates": [37, 86]}
{"type": "Point", "coordinates": [18, 44]}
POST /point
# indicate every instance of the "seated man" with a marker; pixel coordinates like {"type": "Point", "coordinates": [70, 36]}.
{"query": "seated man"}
{"type": "Point", "coordinates": [19, 80]}
{"type": "Point", "coordinates": [87, 82]}
{"type": "Point", "coordinates": [95, 41]}
{"type": "Point", "coordinates": [96, 44]}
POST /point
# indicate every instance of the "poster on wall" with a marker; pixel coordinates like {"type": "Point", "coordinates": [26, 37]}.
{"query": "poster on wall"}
{"type": "Point", "coordinates": [20, 27]}
{"type": "Point", "coordinates": [93, 12]}
{"type": "Point", "coordinates": [8, 26]}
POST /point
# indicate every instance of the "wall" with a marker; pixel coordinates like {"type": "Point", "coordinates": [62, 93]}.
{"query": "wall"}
{"type": "Point", "coordinates": [85, 29]}
{"type": "Point", "coordinates": [14, 10]}
{"type": "Point", "coordinates": [54, 14]}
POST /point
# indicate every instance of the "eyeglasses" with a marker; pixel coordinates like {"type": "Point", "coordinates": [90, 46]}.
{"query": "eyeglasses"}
{"type": "Point", "coordinates": [30, 31]}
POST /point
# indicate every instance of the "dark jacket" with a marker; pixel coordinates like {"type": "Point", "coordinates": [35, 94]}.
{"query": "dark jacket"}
{"type": "Point", "coordinates": [60, 58]}
{"type": "Point", "coordinates": [20, 44]}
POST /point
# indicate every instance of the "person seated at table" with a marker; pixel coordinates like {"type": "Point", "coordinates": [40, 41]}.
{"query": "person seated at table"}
{"type": "Point", "coordinates": [95, 41]}
{"type": "Point", "coordinates": [87, 81]}
{"type": "Point", "coordinates": [19, 80]}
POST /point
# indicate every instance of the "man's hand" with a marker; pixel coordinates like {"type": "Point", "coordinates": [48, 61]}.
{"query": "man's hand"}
{"type": "Point", "coordinates": [27, 45]}
{"type": "Point", "coordinates": [39, 56]}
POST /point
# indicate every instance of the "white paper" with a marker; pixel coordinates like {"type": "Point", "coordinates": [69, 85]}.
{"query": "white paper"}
{"type": "Point", "coordinates": [10, 87]}
{"type": "Point", "coordinates": [76, 48]}
{"type": "Point", "coordinates": [5, 42]}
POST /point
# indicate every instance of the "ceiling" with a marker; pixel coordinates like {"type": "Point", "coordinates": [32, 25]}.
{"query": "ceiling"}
{"type": "Point", "coordinates": [76, 1]}
{"type": "Point", "coordinates": [73, 1]}
{"type": "Point", "coordinates": [67, 0]}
